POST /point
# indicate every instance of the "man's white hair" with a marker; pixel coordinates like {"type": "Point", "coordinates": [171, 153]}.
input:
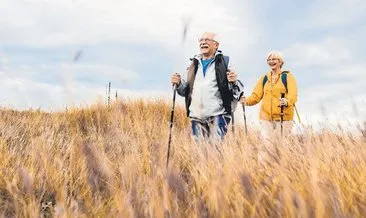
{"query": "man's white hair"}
{"type": "Point", "coordinates": [215, 36]}
{"type": "Point", "coordinates": [276, 54]}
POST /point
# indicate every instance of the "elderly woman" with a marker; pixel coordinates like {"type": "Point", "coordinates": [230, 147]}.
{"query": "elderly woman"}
{"type": "Point", "coordinates": [269, 89]}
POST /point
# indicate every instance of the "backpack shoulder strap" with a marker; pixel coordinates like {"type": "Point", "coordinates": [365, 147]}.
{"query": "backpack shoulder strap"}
{"type": "Point", "coordinates": [265, 79]}
{"type": "Point", "coordinates": [226, 61]}
{"type": "Point", "coordinates": [284, 79]}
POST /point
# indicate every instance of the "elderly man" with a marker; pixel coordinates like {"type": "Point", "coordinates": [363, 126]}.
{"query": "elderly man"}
{"type": "Point", "coordinates": [210, 89]}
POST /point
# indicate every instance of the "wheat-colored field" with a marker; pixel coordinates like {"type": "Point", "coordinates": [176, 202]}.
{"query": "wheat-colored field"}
{"type": "Point", "coordinates": [111, 162]}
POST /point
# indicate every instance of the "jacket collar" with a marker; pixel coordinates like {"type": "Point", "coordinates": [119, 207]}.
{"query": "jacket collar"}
{"type": "Point", "coordinates": [269, 74]}
{"type": "Point", "coordinates": [199, 56]}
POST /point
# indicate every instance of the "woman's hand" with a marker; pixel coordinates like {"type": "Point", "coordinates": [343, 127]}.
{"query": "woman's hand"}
{"type": "Point", "coordinates": [243, 100]}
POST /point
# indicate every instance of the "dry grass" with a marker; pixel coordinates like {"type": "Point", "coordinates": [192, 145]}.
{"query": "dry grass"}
{"type": "Point", "coordinates": [95, 162]}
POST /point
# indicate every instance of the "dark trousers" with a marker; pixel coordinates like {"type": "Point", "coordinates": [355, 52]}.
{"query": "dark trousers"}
{"type": "Point", "coordinates": [215, 126]}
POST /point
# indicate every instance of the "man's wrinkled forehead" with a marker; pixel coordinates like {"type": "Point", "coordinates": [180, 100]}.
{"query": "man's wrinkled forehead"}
{"type": "Point", "coordinates": [208, 35]}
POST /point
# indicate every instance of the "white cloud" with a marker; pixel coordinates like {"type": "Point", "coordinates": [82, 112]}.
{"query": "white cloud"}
{"type": "Point", "coordinates": [324, 92]}
{"type": "Point", "coordinates": [325, 52]}
{"type": "Point", "coordinates": [57, 23]}
{"type": "Point", "coordinates": [70, 75]}
{"type": "Point", "coordinates": [81, 23]}
{"type": "Point", "coordinates": [330, 13]}
{"type": "Point", "coordinates": [18, 93]}
{"type": "Point", "coordinates": [22, 93]}
{"type": "Point", "coordinates": [353, 72]}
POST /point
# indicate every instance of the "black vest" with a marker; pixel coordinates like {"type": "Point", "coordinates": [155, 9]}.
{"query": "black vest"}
{"type": "Point", "coordinates": [222, 83]}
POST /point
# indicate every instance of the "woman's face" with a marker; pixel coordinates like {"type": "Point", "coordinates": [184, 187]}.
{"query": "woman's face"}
{"type": "Point", "coordinates": [274, 63]}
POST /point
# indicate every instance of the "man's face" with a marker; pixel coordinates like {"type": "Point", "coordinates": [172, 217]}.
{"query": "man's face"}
{"type": "Point", "coordinates": [208, 46]}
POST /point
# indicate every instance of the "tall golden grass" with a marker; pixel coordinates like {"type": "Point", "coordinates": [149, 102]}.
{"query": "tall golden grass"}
{"type": "Point", "coordinates": [110, 162]}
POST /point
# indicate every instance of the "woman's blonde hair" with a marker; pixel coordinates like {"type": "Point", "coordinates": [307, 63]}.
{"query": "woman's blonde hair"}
{"type": "Point", "coordinates": [276, 54]}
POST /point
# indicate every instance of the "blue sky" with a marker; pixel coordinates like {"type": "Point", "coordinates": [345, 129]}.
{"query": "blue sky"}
{"type": "Point", "coordinates": [137, 44]}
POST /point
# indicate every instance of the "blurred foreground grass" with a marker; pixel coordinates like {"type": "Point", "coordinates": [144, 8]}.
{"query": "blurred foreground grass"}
{"type": "Point", "coordinates": [100, 162]}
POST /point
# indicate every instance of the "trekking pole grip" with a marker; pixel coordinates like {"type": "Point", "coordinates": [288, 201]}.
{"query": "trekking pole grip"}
{"type": "Point", "coordinates": [282, 106]}
{"type": "Point", "coordinates": [281, 114]}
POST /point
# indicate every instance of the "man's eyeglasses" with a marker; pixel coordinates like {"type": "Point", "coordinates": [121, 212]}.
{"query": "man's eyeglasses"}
{"type": "Point", "coordinates": [200, 40]}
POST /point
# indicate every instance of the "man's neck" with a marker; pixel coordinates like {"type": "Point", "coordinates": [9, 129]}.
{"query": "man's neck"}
{"type": "Point", "coordinates": [206, 57]}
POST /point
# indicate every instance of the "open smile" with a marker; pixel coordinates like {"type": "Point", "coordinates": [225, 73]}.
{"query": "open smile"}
{"type": "Point", "coordinates": [272, 64]}
{"type": "Point", "coordinates": [203, 46]}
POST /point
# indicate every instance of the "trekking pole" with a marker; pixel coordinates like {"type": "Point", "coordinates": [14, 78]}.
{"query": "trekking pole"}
{"type": "Point", "coordinates": [233, 125]}
{"type": "Point", "coordinates": [109, 94]}
{"type": "Point", "coordinates": [281, 114]}
{"type": "Point", "coordinates": [231, 88]}
{"type": "Point", "coordinates": [171, 124]}
{"type": "Point", "coordinates": [185, 30]}
{"type": "Point", "coordinates": [245, 119]}
{"type": "Point", "coordinates": [297, 113]}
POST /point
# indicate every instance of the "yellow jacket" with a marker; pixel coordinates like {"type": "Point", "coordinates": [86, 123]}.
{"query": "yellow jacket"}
{"type": "Point", "coordinates": [270, 94]}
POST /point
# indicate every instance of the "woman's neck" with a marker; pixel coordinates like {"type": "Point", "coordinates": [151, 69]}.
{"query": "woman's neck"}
{"type": "Point", "coordinates": [276, 71]}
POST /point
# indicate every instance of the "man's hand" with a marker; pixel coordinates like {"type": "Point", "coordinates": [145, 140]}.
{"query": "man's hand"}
{"type": "Point", "coordinates": [176, 79]}
{"type": "Point", "coordinates": [283, 102]}
{"type": "Point", "coordinates": [232, 76]}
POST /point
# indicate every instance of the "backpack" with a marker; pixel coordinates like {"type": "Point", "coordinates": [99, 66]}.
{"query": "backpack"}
{"type": "Point", "coordinates": [283, 78]}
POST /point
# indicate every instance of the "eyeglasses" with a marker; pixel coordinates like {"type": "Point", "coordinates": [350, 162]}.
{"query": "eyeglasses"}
{"type": "Point", "coordinates": [272, 59]}
{"type": "Point", "coordinates": [200, 40]}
